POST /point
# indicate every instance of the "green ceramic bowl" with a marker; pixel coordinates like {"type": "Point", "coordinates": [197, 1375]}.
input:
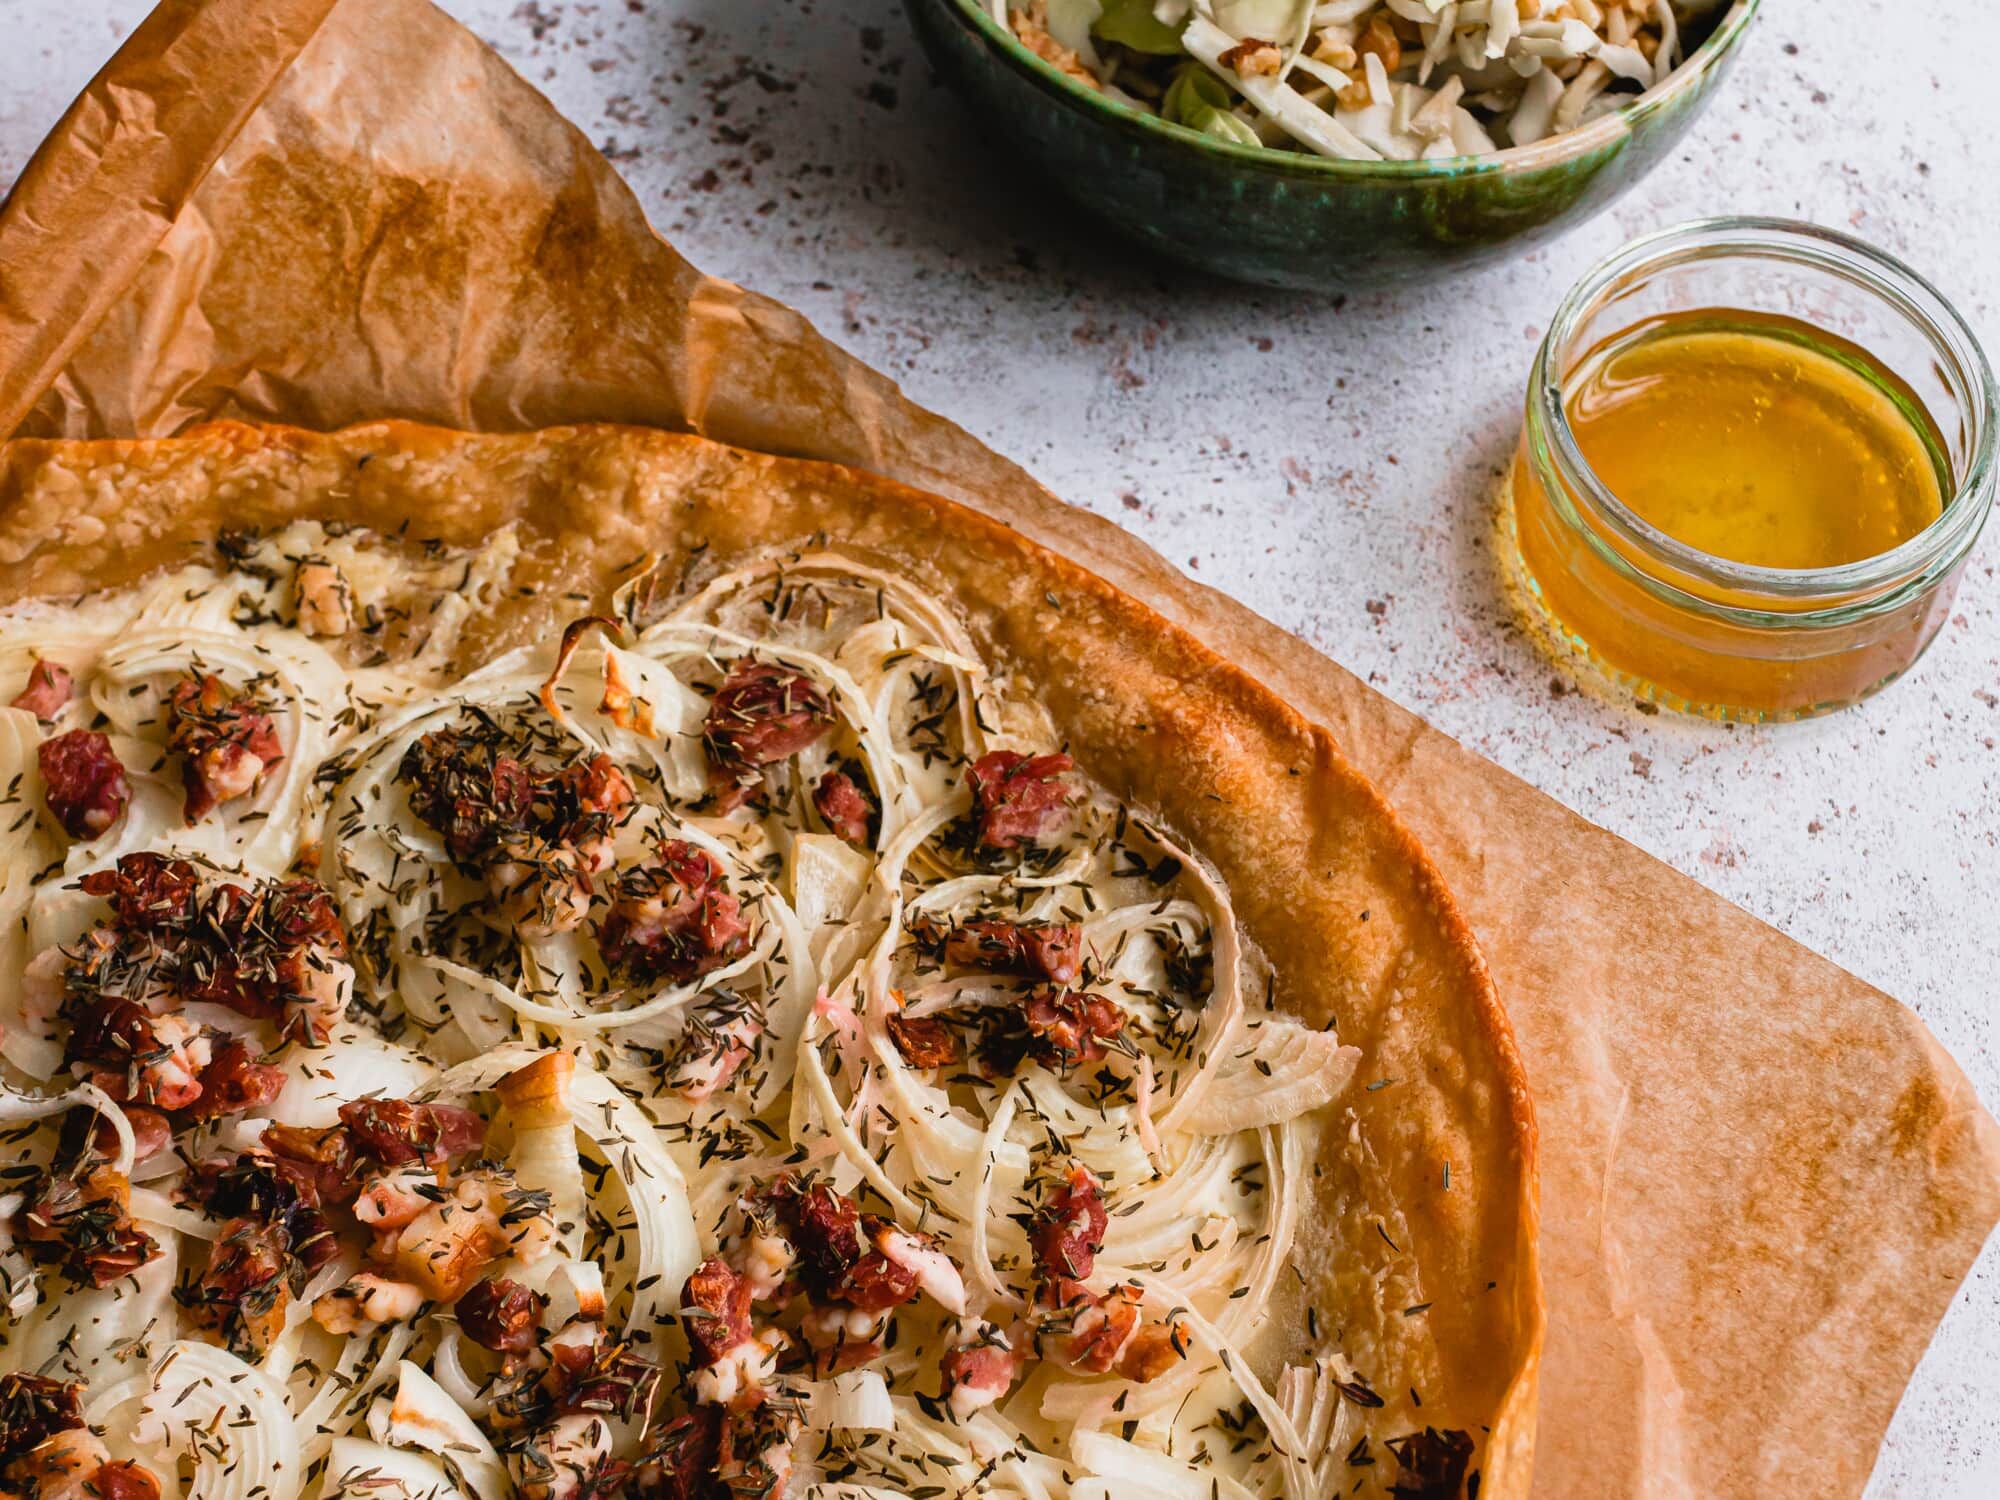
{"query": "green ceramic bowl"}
{"type": "Point", "coordinates": [1287, 219]}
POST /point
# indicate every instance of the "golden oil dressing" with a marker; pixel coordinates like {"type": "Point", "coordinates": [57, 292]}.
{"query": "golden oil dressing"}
{"type": "Point", "coordinates": [1758, 439]}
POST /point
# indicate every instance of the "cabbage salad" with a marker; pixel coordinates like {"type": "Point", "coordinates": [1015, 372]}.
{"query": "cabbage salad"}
{"type": "Point", "coordinates": [724, 1049]}
{"type": "Point", "coordinates": [1366, 80]}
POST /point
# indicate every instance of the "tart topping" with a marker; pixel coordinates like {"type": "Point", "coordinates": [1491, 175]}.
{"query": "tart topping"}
{"type": "Point", "coordinates": [274, 951]}
{"type": "Point", "coordinates": [848, 810]}
{"type": "Point", "coordinates": [1040, 950]}
{"type": "Point", "coordinates": [250, 1280]}
{"type": "Point", "coordinates": [463, 785]}
{"type": "Point", "coordinates": [325, 601]}
{"type": "Point", "coordinates": [1068, 1231]}
{"type": "Point", "coordinates": [76, 1213]}
{"type": "Point", "coordinates": [83, 782]}
{"type": "Point", "coordinates": [501, 1315]}
{"type": "Point", "coordinates": [1017, 799]}
{"type": "Point", "coordinates": [855, 1269]}
{"type": "Point", "coordinates": [125, 1480]}
{"type": "Point", "coordinates": [227, 740]}
{"type": "Point", "coordinates": [1069, 1027]}
{"type": "Point", "coordinates": [136, 1057]}
{"type": "Point", "coordinates": [232, 1082]}
{"type": "Point", "coordinates": [798, 1319]}
{"type": "Point", "coordinates": [33, 1409]}
{"type": "Point", "coordinates": [716, 1311]}
{"type": "Point", "coordinates": [672, 918]}
{"type": "Point", "coordinates": [721, 1036]}
{"type": "Point", "coordinates": [979, 1368]}
{"type": "Point", "coordinates": [536, 835]}
{"type": "Point", "coordinates": [1432, 1463]}
{"type": "Point", "coordinates": [49, 688]}
{"type": "Point", "coordinates": [925, 1041]}
{"type": "Point", "coordinates": [396, 1131]}
{"type": "Point", "coordinates": [48, 1453]}
{"type": "Point", "coordinates": [763, 713]}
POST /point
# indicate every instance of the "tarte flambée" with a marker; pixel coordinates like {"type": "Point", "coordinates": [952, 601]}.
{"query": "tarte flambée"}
{"type": "Point", "coordinates": [593, 963]}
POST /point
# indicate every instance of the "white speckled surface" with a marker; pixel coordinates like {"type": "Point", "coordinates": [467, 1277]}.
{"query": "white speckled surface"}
{"type": "Point", "coordinates": [1330, 464]}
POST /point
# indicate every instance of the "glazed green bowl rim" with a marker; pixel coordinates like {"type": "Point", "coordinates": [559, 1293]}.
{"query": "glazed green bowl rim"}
{"type": "Point", "coordinates": [1690, 75]}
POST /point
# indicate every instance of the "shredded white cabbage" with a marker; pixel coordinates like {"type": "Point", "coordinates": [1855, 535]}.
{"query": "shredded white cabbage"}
{"type": "Point", "coordinates": [1364, 80]}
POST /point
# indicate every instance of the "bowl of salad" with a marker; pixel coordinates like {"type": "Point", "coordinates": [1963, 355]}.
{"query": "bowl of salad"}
{"type": "Point", "coordinates": [1337, 145]}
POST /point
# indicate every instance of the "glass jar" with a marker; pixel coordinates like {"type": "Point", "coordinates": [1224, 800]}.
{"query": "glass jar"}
{"type": "Point", "coordinates": [1698, 633]}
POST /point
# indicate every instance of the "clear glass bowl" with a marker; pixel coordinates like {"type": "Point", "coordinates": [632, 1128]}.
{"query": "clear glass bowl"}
{"type": "Point", "coordinates": [1700, 634]}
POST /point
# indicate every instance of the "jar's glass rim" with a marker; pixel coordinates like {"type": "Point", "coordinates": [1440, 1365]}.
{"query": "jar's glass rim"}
{"type": "Point", "coordinates": [1944, 540]}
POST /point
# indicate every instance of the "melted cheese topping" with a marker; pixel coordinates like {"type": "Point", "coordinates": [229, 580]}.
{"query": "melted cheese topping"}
{"type": "Point", "coordinates": [689, 1093]}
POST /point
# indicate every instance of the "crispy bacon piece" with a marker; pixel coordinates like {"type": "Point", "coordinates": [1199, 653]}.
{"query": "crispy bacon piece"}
{"type": "Point", "coordinates": [260, 1188]}
{"type": "Point", "coordinates": [78, 1219]}
{"type": "Point", "coordinates": [501, 1315]}
{"type": "Point", "coordinates": [717, 1311]}
{"type": "Point", "coordinates": [617, 1382]}
{"type": "Point", "coordinates": [875, 1283]}
{"type": "Point", "coordinates": [135, 1057]}
{"type": "Point", "coordinates": [672, 919]}
{"type": "Point", "coordinates": [1153, 1350]}
{"type": "Point", "coordinates": [462, 785]}
{"type": "Point", "coordinates": [275, 952]}
{"type": "Point", "coordinates": [322, 1162]}
{"type": "Point", "coordinates": [719, 1453]}
{"type": "Point", "coordinates": [824, 1226]}
{"type": "Point", "coordinates": [720, 1038]}
{"type": "Point", "coordinates": [1090, 1330]}
{"type": "Point", "coordinates": [763, 713]}
{"type": "Point", "coordinates": [396, 1131]}
{"type": "Point", "coordinates": [228, 743]}
{"type": "Point", "coordinates": [151, 1134]}
{"type": "Point", "coordinates": [83, 782]}
{"type": "Point", "coordinates": [925, 1041]}
{"type": "Point", "coordinates": [125, 1480]}
{"type": "Point", "coordinates": [591, 798]}
{"type": "Point", "coordinates": [242, 1295]}
{"type": "Point", "coordinates": [756, 1456]}
{"type": "Point", "coordinates": [1095, 1335]}
{"type": "Point", "coordinates": [1433, 1464]}
{"type": "Point", "coordinates": [1071, 1027]}
{"type": "Point", "coordinates": [49, 688]}
{"type": "Point", "coordinates": [683, 1460]}
{"type": "Point", "coordinates": [1068, 1231]}
{"type": "Point", "coordinates": [849, 811]}
{"type": "Point", "coordinates": [148, 892]}
{"type": "Point", "coordinates": [232, 1082]}
{"type": "Point", "coordinates": [843, 1353]}
{"type": "Point", "coordinates": [1017, 798]}
{"type": "Point", "coordinates": [978, 1374]}
{"type": "Point", "coordinates": [1040, 950]}
{"type": "Point", "coordinates": [33, 1409]}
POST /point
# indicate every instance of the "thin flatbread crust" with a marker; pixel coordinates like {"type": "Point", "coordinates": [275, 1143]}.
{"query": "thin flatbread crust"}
{"type": "Point", "coordinates": [1422, 1250]}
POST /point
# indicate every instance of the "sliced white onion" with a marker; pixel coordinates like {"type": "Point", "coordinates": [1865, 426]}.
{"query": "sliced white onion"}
{"type": "Point", "coordinates": [228, 1417]}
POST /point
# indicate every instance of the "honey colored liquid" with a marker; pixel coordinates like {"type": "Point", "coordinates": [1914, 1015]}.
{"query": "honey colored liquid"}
{"type": "Point", "coordinates": [1758, 439]}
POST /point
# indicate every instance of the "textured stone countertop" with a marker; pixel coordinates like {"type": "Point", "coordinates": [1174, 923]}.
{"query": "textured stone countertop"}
{"type": "Point", "coordinates": [1330, 463]}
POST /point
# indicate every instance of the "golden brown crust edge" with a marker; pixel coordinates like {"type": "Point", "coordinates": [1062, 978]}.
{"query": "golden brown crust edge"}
{"type": "Point", "coordinates": [1323, 873]}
